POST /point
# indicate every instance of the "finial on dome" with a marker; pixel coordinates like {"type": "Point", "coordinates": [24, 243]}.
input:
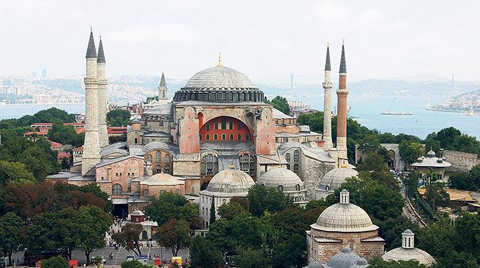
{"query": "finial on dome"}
{"type": "Point", "coordinates": [344, 197]}
{"type": "Point", "coordinates": [219, 64]}
{"type": "Point", "coordinates": [91, 28]}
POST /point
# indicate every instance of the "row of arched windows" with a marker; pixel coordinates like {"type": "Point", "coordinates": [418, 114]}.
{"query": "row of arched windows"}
{"type": "Point", "coordinates": [295, 162]}
{"type": "Point", "coordinates": [210, 164]}
{"type": "Point", "coordinates": [224, 137]}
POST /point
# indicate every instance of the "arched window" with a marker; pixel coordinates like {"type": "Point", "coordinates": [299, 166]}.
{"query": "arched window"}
{"type": "Point", "coordinates": [287, 157]}
{"type": "Point", "coordinates": [117, 189]}
{"type": "Point", "coordinates": [207, 136]}
{"type": "Point", "coordinates": [224, 136]}
{"type": "Point", "coordinates": [215, 137]}
{"type": "Point", "coordinates": [295, 168]}
{"type": "Point", "coordinates": [247, 164]}
{"type": "Point", "coordinates": [167, 158]}
{"type": "Point", "coordinates": [158, 157]}
{"type": "Point", "coordinates": [208, 126]}
{"type": "Point", "coordinates": [296, 156]}
{"type": "Point", "coordinates": [158, 169]}
{"type": "Point", "coordinates": [280, 188]}
{"type": "Point", "coordinates": [297, 187]}
{"type": "Point", "coordinates": [209, 165]}
{"type": "Point", "coordinates": [230, 125]}
{"type": "Point", "coordinates": [231, 137]}
{"type": "Point", "coordinates": [224, 123]}
{"type": "Point", "coordinates": [216, 125]}
{"type": "Point", "coordinates": [239, 137]}
{"type": "Point", "coordinates": [149, 158]}
{"type": "Point", "coordinates": [145, 194]}
{"type": "Point", "coordinates": [166, 169]}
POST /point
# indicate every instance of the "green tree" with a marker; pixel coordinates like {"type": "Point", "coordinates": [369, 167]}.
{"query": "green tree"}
{"type": "Point", "coordinates": [92, 224]}
{"type": "Point", "coordinates": [118, 118]}
{"type": "Point", "coordinates": [314, 120]}
{"type": "Point", "coordinates": [391, 230]}
{"type": "Point", "coordinates": [213, 213]}
{"type": "Point", "coordinates": [63, 134]}
{"type": "Point", "coordinates": [462, 181]}
{"type": "Point", "coordinates": [230, 210]}
{"type": "Point", "coordinates": [281, 104]}
{"type": "Point", "coordinates": [14, 172]}
{"type": "Point", "coordinates": [436, 196]}
{"type": "Point", "coordinates": [129, 237]}
{"type": "Point", "coordinates": [135, 264]}
{"type": "Point", "coordinates": [10, 234]}
{"type": "Point", "coordinates": [410, 151]}
{"type": "Point", "coordinates": [291, 252]}
{"type": "Point", "coordinates": [175, 235]}
{"type": "Point", "coordinates": [65, 164]}
{"type": "Point", "coordinates": [204, 254]}
{"type": "Point", "coordinates": [379, 172]}
{"type": "Point", "coordinates": [264, 199]}
{"type": "Point", "coordinates": [252, 258]}
{"type": "Point", "coordinates": [55, 262]}
{"type": "Point", "coordinates": [446, 136]}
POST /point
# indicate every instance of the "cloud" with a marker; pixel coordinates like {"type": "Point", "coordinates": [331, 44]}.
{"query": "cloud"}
{"type": "Point", "coordinates": [329, 11]}
{"type": "Point", "coordinates": [150, 33]}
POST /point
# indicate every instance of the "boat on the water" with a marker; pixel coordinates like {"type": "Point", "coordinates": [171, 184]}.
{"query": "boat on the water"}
{"type": "Point", "coordinates": [389, 112]}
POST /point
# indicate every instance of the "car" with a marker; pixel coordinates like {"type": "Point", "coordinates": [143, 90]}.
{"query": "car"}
{"type": "Point", "coordinates": [130, 258]}
{"type": "Point", "coordinates": [103, 259]}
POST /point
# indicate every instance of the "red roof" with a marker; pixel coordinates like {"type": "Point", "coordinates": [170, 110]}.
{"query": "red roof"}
{"type": "Point", "coordinates": [42, 124]}
{"type": "Point", "coordinates": [55, 144]}
{"type": "Point", "coordinates": [74, 124]}
{"type": "Point", "coordinates": [62, 155]}
{"type": "Point", "coordinates": [117, 130]}
{"type": "Point", "coordinates": [78, 149]}
{"type": "Point", "coordinates": [38, 133]}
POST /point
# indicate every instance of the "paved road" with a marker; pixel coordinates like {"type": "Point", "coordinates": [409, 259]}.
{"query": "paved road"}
{"type": "Point", "coordinates": [119, 255]}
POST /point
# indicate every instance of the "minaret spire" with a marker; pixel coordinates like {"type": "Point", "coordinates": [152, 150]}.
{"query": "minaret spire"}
{"type": "Point", "coordinates": [327, 104]}
{"type": "Point", "coordinates": [163, 91]}
{"type": "Point", "coordinates": [343, 63]}
{"type": "Point", "coordinates": [91, 51]}
{"type": "Point", "coordinates": [101, 54]}
{"type": "Point", "coordinates": [342, 93]}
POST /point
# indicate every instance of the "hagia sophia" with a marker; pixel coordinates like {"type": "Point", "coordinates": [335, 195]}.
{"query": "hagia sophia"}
{"type": "Point", "coordinates": [216, 139]}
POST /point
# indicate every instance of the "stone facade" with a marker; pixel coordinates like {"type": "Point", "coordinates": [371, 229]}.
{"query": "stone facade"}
{"type": "Point", "coordinates": [461, 162]}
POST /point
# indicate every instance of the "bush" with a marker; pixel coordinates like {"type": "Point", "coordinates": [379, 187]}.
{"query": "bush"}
{"type": "Point", "coordinates": [55, 262]}
{"type": "Point", "coordinates": [135, 264]}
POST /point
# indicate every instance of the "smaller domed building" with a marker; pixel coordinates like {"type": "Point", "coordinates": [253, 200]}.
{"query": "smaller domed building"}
{"type": "Point", "coordinates": [340, 225]}
{"type": "Point", "coordinates": [161, 183]}
{"type": "Point", "coordinates": [408, 251]}
{"type": "Point", "coordinates": [223, 186]}
{"type": "Point", "coordinates": [333, 180]}
{"type": "Point", "coordinates": [286, 181]}
{"type": "Point", "coordinates": [432, 162]}
{"type": "Point", "coordinates": [346, 259]}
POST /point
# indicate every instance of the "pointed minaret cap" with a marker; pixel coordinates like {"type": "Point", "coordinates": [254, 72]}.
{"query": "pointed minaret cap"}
{"type": "Point", "coordinates": [328, 67]}
{"type": "Point", "coordinates": [343, 63]}
{"type": "Point", "coordinates": [219, 64]}
{"type": "Point", "coordinates": [91, 51]}
{"type": "Point", "coordinates": [101, 54]}
{"type": "Point", "coordinates": [163, 83]}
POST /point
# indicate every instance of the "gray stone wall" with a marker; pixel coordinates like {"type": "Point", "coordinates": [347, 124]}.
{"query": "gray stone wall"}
{"type": "Point", "coordinates": [314, 170]}
{"type": "Point", "coordinates": [461, 162]}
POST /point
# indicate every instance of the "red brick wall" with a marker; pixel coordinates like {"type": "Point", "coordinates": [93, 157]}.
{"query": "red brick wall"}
{"type": "Point", "coordinates": [238, 128]}
{"type": "Point", "coordinates": [189, 141]}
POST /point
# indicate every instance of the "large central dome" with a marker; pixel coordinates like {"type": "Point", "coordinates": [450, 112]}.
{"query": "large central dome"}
{"type": "Point", "coordinates": [219, 84]}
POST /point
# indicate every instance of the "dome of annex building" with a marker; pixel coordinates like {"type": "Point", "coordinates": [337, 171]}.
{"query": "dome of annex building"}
{"type": "Point", "coordinates": [281, 177]}
{"type": "Point", "coordinates": [219, 84]}
{"type": "Point", "coordinates": [346, 259]}
{"type": "Point", "coordinates": [162, 179]}
{"type": "Point", "coordinates": [335, 177]}
{"type": "Point", "coordinates": [408, 251]}
{"type": "Point", "coordinates": [230, 181]}
{"type": "Point", "coordinates": [344, 217]}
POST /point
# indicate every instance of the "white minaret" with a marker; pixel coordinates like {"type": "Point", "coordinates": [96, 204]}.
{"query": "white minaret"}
{"type": "Point", "coordinates": [163, 91]}
{"type": "Point", "coordinates": [327, 104]}
{"type": "Point", "coordinates": [408, 239]}
{"type": "Point", "coordinates": [102, 97]}
{"type": "Point", "coordinates": [91, 147]}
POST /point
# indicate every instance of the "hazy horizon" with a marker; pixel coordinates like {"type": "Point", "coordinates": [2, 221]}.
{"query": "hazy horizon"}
{"type": "Point", "coordinates": [261, 39]}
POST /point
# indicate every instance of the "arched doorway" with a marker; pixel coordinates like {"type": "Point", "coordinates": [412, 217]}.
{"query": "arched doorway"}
{"type": "Point", "coordinates": [391, 159]}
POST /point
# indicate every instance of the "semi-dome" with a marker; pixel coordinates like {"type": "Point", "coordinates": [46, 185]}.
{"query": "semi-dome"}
{"type": "Point", "coordinates": [344, 217]}
{"type": "Point", "coordinates": [230, 181]}
{"type": "Point", "coordinates": [408, 251]}
{"type": "Point", "coordinates": [335, 177]}
{"type": "Point", "coordinates": [162, 179]}
{"type": "Point", "coordinates": [281, 177]}
{"type": "Point", "coordinates": [345, 259]}
{"type": "Point", "coordinates": [219, 84]}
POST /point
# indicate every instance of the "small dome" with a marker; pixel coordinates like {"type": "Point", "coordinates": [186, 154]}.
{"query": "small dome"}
{"type": "Point", "coordinates": [137, 213]}
{"type": "Point", "coordinates": [162, 179]}
{"type": "Point", "coordinates": [230, 181]}
{"type": "Point", "coordinates": [335, 177]}
{"type": "Point", "coordinates": [406, 254]}
{"type": "Point", "coordinates": [156, 145]}
{"type": "Point", "coordinates": [345, 259]}
{"type": "Point", "coordinates": [431, 154]}
{"type": "Point", "coordinates": [361, 264]}
{"type": "Point", "coordinates": [344, 217]}
{"type": "Point", "coordinates": [315, 264]}
{"type": "Point", "coordinates": [281, 177]}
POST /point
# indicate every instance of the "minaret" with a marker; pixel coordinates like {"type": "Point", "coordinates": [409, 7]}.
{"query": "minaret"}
{"type": "Point", "coordinates": [91, 147]}
{"type": "Point", "coordinates": [327, 104]}
{"type": "Point", "coordinates": [102, 97]}
{"type": "Point", "coordinates": [163, 91]}
{"type": "Point", "coordinates": [342, 93]}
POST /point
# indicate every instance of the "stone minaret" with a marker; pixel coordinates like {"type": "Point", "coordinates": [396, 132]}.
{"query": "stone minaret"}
{"type": "Point", "coordinates": [102, 97]}
{"type": "Point", "coordinates": [163, 91]}
{"type": "Point", "coordinates": [327, 104]}
{"type": "Point", "coordinates": [91, 147]}
{"type": "Point", "coordinates": [342, 93]}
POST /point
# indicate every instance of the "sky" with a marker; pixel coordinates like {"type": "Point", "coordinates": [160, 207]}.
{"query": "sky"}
{"type": "Point", "coordinates": [263, 39]}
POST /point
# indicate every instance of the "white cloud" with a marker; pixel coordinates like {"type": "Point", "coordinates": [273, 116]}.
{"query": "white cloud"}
{"type": "Point", "coordinates": [151, 33]}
